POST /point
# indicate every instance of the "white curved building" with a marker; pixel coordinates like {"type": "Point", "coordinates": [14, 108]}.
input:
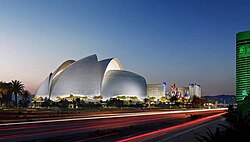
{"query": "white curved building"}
{"type": "Point", "coordinates": [90, 77]}
{"type": "Point", "coordinates": [123, 83]}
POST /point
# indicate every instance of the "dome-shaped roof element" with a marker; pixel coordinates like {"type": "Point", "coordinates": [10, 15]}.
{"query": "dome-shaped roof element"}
{"type": "Point", "coordinates": [88, 77]}
{"type": "Point", "coordinates": [45, 87]}
{"type": "Point", "coordinates": [82, 77]}
{"type": "Point", "coordinates": [110, 64]}
{"type": "Point", "coordinates": [117, 82]}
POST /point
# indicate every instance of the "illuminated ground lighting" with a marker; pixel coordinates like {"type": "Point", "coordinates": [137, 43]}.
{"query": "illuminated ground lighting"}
{"type": "Point", "coordinates": [161, 132]}
{"type": "Point", "coordinates": [105, 116]}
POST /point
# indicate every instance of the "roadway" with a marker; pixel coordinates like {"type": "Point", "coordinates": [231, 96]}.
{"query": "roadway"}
{"type": "Point", "coordinates": [141, 126]}
{"type": "Point", "coordinates": [196, 131]}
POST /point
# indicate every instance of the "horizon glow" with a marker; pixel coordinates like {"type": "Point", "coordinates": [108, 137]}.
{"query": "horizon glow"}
{"type": "Point", "coordinates": [178, 42]}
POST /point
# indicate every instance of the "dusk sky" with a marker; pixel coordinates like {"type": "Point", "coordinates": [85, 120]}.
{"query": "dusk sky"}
{"type": "Point", "coordinates": [177, 41]}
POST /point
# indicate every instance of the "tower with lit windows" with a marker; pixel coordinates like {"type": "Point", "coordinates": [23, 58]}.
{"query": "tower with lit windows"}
{"type": "Point", "coordinates": [242, 65]}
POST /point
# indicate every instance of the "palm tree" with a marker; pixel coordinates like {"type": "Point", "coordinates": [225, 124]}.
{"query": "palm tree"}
{"type": "Point", "coordinates": [26, 94]}
{"type": "Point", "coordinates": [16, 88]}
{"type": "Point", "coordinates": [3, 90]}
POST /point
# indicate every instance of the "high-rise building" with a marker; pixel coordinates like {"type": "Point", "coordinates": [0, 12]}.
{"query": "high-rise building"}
{"type": "Point", "coordinates": [194, 90]}
{"type": "Point", "coordinates": [183, 91]}
{"type": "Point", "coordinates": [242, 65]}
{"type": "Point", "coordinates": [186, 92]}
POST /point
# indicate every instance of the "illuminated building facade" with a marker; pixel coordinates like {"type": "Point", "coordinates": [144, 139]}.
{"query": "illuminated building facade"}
{"type": "Point", "coordinates": [156, 90]}
{"type": "Point", "coordinates": [242, 65]}
{"type": "Point", "coordinates": [194, 90]}
{"type": "Point", "coordinates": [186, 92]}
{"type": "Point", "coordinates": [89, 77]}
{"type": "Point", "coordinates": [183, 92]}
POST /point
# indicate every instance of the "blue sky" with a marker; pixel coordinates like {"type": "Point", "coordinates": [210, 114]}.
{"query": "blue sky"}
{"type": "Point", "coordinates": [177, 41]}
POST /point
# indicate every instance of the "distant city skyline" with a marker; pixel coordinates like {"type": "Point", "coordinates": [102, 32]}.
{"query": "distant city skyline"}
{"type": "Point", "coordinates": [176, 41]}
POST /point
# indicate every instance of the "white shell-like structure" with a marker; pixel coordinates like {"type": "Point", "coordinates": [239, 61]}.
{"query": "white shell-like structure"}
{"type": "Point", "coordinates": [123, 83]}
{"type": "Point", "coordinates": [46, 86]}
{"type": "Point", "coordinates": [90, 77]}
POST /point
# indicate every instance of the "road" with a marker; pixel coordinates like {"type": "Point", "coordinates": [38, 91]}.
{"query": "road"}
{"type": "Point", "coordinates": [196, 131]}
{"type": "Point", "coordinates": [114, 127]}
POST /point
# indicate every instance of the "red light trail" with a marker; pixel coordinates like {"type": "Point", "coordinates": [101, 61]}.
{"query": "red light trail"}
{"type": "Point", "coordinates": [150, 135]}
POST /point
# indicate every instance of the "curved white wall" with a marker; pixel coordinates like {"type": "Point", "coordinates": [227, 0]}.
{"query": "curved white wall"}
{"type": "Point", "coordinates": [43, 89]}
{"type": "Point", "coordinates": [123, 83]}
{"type": "Point", "coordinates": [88, 77]}
{"type": "Point", "coordinates": [58, 72]}
{"type": "Point", "coordinates": [82, 78]}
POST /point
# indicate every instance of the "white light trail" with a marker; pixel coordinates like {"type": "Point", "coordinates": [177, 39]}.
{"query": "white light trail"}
{"type": "Point", "coordinates": [112, 116]}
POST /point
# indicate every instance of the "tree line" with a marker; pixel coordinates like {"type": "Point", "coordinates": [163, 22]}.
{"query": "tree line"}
{"type": "Point", "coordinates": [15, 87]}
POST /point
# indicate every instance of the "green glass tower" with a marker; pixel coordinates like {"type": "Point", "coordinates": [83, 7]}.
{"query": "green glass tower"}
{"type": "Point", "coordinates": [242, 65]}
